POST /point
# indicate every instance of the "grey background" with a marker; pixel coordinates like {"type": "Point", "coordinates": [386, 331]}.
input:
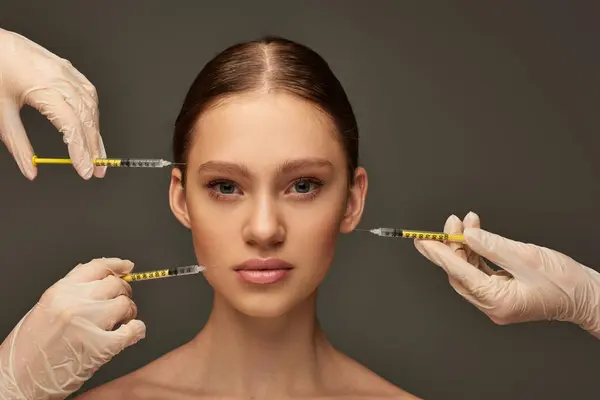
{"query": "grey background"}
{"type": "Point", "coordinates": [462, 106]}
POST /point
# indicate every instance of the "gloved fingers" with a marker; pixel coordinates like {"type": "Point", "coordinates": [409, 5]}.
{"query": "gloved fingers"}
{"type": "Point", "coordinates": [102, 151]}
{"type": "Point", "coordinates": [85, 107]}
{"type": "Point", "coordinates": [78, 79]}
{"type": "Point", "coordinates": [454, 225]}
{"type": "Point", "coordinates": [515, 257]}
{"type": "Point", "coordinates": [110, 288]}
{"type": "Point", "coordinates": [463, 291]}
{"type": "Point", "coordinates": [88, 111]}
{"type": "Point", "coordinates": [54, 106]}
{"type": "Point", "coordinates": [99, 171]}
{"type": "Point", "coordinates": [98, 269]}
{"type": "Point", "coordinates": [14, 137]}
{"type": "Point", "coordinates": [488, 296]}
{"type": "Point", "coordinates": [128, 334]}
{"type": "Point", "coordinates": [107, 314]}
{"type": "Point", "coordinates": [85, 83]}
{"type": "Point", "coordinates": [472, 220]}
{"type": "Point", "coordinates": [458, 269]}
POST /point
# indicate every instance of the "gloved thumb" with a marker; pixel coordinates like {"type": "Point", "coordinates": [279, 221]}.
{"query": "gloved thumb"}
{"type": "Point", "coordinates": [130, 333]}
{"type": "Point", "coordinates": [508, 254]}
{"type": "Point", "coordinates": [15, 139]}
{"type": "Point", "coordinates": [463, 273]}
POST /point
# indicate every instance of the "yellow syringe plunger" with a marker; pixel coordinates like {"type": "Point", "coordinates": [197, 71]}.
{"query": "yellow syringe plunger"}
{"type": "Point", "coordinates": [36, 160]}
{"type": "Point", "coordinates": [100, 162]}
{"type": "Point", "coordinates": [110, 162]}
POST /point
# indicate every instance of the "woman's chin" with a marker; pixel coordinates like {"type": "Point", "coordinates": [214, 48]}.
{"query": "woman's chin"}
{"type": "Point", "coordinates": [272, 307]}
{"type": "Point", "coordinates": [265, 305]}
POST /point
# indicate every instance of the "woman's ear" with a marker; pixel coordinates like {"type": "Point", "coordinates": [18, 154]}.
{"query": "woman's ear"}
{"type": "Point", "coordinates": [177, 198]}
{"type": "Point", "coordinates": [356, 201]}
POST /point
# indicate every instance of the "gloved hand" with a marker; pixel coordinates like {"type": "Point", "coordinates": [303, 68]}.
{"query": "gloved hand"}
{"type": "Point", "coordinates": [536, 284]}
{"type": "Point", "coordinates": [30, 74]}
{"type": "Point", "coordinates": [68, 335]}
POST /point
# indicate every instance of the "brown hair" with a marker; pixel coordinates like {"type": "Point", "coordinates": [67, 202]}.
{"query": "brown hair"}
{"type": "Point", "coordinates": [268, 63]}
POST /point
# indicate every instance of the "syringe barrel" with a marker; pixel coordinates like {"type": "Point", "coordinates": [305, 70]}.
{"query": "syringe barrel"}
{"type": "Point", "coordinates": [143, 163]}
{"type": "Point", "coordinates": [132, 162]}
{"type": "Point", "coordinates": [192, 269]}
{"type": "Point", "coordinates": [390, 232]}
{"type": "Point", "coordinates": [411, 234]}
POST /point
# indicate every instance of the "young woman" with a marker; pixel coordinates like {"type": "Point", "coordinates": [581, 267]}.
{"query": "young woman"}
{"type": "Point", "coordinates": [270, 143]}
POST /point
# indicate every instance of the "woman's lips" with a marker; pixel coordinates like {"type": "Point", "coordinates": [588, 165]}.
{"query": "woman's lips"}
{"type": "Point", "coordinates": [263, 271]}
{"type": "Point", "coordinates": [263, 277]}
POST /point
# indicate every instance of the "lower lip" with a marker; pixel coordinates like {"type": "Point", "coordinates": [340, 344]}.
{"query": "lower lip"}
{"type": "Point", "coordinates": [262, 277]}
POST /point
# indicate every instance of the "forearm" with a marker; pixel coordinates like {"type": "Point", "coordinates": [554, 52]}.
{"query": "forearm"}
{"type": "Point", "coordinates": [12, 371]}
{"type": "Point", "coordinates": [25, 373]}
{"type": "Point", "coordinates": [8, 385]}
{"type": "Point", "coordinates": [590, 320]}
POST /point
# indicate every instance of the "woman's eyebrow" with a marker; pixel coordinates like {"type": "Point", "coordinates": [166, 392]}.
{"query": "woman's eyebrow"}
{"type": "Point", "coordinates": [224, 167]}
{"type": "Point", "coordinates": [285, 168]}
{"type": "Point", "coordinates": [304, 163]}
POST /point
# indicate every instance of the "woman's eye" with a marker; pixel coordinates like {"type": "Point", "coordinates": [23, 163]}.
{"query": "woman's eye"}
{"type": "Point", "coordinates": [222, 188]}
{"type": "Point", "coordinates": [306, 186]}
{"type": "Point", "coordinates": [303, 186]}
{"type": "Point", "coordinates": [225, 187]}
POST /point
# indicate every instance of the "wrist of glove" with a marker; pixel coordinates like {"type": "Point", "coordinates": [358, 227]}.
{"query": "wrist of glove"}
{"type": "Point", "coordinates": [70, 333]}
{"type": "Point", "coordinates": [535, 283]}
{"type": "Point", "coordinates": [588, 309]}
{"type": "Point", "coordinates": [28, 368]}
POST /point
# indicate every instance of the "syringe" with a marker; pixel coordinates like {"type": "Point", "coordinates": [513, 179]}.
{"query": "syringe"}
{"type": "Point", "coordinates": [164, 273]}
{"type": "Point", "coordinates": [411, 234]}
{"type": "Point", "coordinates": [112, 162]}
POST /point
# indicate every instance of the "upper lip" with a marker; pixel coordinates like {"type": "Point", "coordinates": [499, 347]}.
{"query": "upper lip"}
{"type": "Point", "coordinates": [263, 263]}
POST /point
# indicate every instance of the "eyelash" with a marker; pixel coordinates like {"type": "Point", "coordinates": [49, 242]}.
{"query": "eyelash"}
{"type": "Point", "coordinates": [304, 196]}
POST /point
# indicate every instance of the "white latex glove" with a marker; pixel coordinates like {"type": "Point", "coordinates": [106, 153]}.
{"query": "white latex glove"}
{"type": "Point", "coordinates": [537, 283]}
{"type": "Point", "coordinates": [30, 74]}
{"type": "Point", "coordinates": [68, 335]}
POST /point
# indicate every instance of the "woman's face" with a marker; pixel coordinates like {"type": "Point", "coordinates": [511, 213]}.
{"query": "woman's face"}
{"type": "Point", "coordinates": [266, 195]}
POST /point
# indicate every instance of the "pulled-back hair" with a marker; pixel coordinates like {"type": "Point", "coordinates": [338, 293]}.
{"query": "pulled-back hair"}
{"type": "Point", "coordinates": [270, 63]}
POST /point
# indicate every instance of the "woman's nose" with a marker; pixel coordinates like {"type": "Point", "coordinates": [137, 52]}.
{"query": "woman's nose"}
{"type": "Point", "coordinates": [264, 227]}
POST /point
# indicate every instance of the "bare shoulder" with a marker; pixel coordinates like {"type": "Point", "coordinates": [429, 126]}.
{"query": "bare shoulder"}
{"type": "Point", "coordinates": [164, 378]}
{"type": "Point", "coordinates": [363, 383]}
{"type": "Point", "coordinates": [153, 381]}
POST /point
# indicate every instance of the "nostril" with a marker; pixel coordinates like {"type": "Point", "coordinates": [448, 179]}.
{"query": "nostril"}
{"type": "Point", "coordinates": [266, 243]}
{"type": "Point", "coordinates": [264, 232]}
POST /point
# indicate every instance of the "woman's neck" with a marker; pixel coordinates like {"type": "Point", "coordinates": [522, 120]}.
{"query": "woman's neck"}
{"type": "Point", "coordinates": [262, 356]}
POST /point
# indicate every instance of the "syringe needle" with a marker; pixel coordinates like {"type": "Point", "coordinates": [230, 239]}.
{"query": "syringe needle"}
{"type": "Point", "coordinates": [376, 231]}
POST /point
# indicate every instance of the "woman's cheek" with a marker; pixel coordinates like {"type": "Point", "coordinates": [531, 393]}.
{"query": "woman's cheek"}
{"type": "Point", "coordinates": [319, 242]}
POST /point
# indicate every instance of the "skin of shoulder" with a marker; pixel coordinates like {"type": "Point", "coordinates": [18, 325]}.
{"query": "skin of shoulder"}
{"type": "Point", "coordinates": [159, 380]}
{"type": "Point", "coordinates": [152, 381]}
{"type": "Point", "coordinates": [366, 384]}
